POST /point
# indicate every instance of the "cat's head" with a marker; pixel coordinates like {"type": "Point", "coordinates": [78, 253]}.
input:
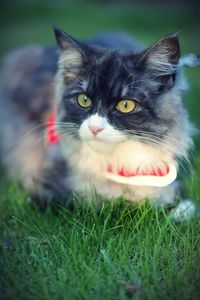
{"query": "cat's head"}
{"type": "Point", "coordinates": [111, 96]}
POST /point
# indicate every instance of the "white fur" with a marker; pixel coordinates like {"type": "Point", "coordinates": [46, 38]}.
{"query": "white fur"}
{"type": "Point", "coordinates": [160, 63]}
{"type": "Point", "coordinates": [185, 211]}
{"type": "Point", "coordinates": [84, 84]}
{"type": "Point", "coordinates": [70, 57]}
{"type": "Point", "coordinates": [90, 158]}
{"type": "Point", "coordinates": [189, 60]}
{"type": "Point", "coordinates": [108, 134]}
{"type": "Point", "coordinates": [67, 59]}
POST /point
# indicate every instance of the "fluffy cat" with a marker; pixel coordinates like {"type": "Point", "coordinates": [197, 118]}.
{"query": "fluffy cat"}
{"type": "Point", "coordinates": [118, 107]}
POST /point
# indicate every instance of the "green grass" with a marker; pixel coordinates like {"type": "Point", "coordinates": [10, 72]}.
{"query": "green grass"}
{"type": "Point", "coordinates": [88, 253]}
{"type": "Point", "coordinates": [91, 253]}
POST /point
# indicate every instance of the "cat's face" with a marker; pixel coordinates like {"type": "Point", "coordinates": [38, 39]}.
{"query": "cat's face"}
{"type": "Point", "coordinates": [110, 96]}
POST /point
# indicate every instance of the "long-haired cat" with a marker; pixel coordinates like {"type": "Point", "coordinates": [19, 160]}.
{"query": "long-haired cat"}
{"type": "Point", "coordinates": [118, 108]}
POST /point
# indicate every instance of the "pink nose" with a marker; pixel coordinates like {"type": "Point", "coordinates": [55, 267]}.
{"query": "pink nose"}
{"type": "Point", "coordinates": [95, 130]}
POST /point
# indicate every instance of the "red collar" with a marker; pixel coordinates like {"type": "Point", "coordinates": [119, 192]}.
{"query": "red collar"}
{"type": "Point", "coordinates": [125, 173]}
{"type": "Point", "coordinates": [51, 136]}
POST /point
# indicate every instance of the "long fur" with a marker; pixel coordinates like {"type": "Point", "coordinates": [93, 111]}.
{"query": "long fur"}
{"type": "Point", "coordinates": [35, 80]}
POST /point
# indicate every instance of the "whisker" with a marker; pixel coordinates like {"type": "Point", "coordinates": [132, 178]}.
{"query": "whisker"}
{"type": "Point", "coordinates": [168, 149]}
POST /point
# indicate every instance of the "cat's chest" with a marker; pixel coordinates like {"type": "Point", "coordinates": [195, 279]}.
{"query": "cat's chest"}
{"type": "Point", "coordinates": [90, 164]}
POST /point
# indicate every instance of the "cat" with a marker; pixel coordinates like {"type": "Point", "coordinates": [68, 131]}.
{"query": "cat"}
{"type": "Point", "coordinates": [118, 108]}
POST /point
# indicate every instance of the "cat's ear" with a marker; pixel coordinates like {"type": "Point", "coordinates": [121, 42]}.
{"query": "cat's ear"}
{"type": "Point", "coordinates": [64, 40]}
{"type": "Point", "coordinates": [70, 49]}
{"type": "Point", "coordinates": [163, 56]}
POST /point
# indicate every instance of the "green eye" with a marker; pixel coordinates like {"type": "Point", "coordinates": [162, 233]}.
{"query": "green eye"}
{"type": "Point", "coordinates": [126, 105]}
{"type": "Point", "coordinates": [84, 101]}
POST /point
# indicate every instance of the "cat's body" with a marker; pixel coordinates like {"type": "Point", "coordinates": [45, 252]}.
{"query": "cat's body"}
{"type": "Point", "coordinates": [94, 138]}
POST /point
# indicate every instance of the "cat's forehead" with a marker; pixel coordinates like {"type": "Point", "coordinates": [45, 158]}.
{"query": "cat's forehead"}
{"type": "Point", "coordinates": [116, 64]}
{"type": "Point", "coordinates": [112, 73]}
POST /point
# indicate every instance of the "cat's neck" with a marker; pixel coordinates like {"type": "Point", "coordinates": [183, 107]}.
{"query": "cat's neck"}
{"type": "Point", "coordinates": [95, 157]}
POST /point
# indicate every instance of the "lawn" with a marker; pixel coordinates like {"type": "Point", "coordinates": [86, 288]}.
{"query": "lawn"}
{"type": "Point", "coordinates": [116, 251]}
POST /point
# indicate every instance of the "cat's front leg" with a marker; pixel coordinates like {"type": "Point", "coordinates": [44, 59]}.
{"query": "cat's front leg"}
{"type": "Point", "coordinates": [181, 210]}
{"type": "Point", "coordinates": [184, 211]}
{"type": "Point", "coordinates": [51, 185]}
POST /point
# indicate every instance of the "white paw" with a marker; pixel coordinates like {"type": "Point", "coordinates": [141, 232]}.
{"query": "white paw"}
{"type": "Point", "coordinates": [184, 211]}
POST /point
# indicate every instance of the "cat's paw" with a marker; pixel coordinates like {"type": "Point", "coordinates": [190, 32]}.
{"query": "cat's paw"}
{"type": "Point", "coordinates": [184, 211]}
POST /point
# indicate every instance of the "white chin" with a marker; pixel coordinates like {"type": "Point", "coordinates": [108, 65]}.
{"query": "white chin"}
{"type": "Point", "coordinates": [100, 146]}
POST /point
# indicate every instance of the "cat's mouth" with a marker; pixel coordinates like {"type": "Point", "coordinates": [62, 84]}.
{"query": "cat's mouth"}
{"type": "Point", "coordinates": [156, 177]}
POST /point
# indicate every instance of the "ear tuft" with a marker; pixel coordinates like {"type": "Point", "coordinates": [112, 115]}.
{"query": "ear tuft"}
{"type": "Point", "coordinates": [163, 56]}
{"type": "Point", "coordinates": [71, 53]}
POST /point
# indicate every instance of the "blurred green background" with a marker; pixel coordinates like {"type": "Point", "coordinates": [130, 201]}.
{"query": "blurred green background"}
{"type": "Point", "coordinates": [83, 255]}
{"type": "Point", "coordinates": [31, 21]}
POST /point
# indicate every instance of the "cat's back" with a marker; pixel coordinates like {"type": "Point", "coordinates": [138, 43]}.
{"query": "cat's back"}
{"type": "Point", "coordinates": [27, 77]}
{"type": "Point", "coordinates": [26, 95]}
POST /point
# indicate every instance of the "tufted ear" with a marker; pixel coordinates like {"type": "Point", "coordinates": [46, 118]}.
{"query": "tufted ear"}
{"type": "Point", "coordinates": [163, 56]}
{"type": "Point", "coordinates": [71, 52]}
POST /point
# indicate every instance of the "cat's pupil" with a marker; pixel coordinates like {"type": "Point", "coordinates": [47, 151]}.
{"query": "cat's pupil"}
{"type": "Point", "coordinates": [85, 99]}
{"type": "Point", "coordinates": [125, 104]}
